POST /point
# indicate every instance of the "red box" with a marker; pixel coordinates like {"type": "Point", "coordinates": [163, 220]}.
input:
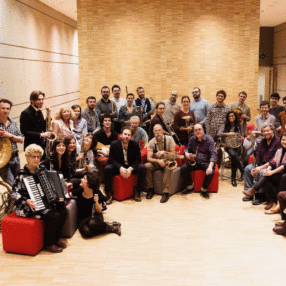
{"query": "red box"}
{"type": "Point", "coordinates": [198, 179]}
{"type": "Point", "coordinates": [22, 235]}
{"type": "Point", "coordinates": [123, 188]}
{"type": "Point", "coordinates": [144, 155]}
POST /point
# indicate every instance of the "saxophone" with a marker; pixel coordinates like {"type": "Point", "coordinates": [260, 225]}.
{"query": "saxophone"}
{"type": "Point", "coordinates": [53, 135]}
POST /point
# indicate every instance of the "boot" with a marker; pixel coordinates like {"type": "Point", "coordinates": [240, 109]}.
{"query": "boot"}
{"type": "Point", "coordinates": [150, 194]}
{"type": "Point", "coordinates": [233, 178]}
{"type": "Point", "coordinates": [250, 192]}
{"type": "Point", "coordinates": [137, 196]}
{"type": "Point", "coordinates": [110, 227]}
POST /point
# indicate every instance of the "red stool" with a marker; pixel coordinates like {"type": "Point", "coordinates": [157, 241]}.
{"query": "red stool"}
{"type": "Point", "coordinates": [250, 127]}
{"type": "Point", "coordinates": [250, 159]}
{"type": "Point", "coordinates": [22, 235]}
{"type": "Point", "coordinates": [144, 155]}
{"type": "Point", "coordinates": [123, 188]}
{"type": "Point", "coordinates": [198, 177]}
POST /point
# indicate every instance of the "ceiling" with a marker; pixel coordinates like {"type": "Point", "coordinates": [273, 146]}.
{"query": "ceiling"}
{"type": "Point", "coordinates": [272, 12]}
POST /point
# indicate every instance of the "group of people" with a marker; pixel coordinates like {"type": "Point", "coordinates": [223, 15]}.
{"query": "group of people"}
{"type": "Point", "coordinates": [116, 131]}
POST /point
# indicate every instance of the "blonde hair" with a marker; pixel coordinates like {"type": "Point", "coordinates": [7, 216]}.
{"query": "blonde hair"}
{"type": "Point", "coordinates": [33, 148]}
{"type": "Point", "coordinates": [58, 114]}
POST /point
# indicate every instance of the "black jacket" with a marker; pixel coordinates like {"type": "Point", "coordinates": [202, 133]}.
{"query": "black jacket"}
{"type": "Point", "coordinates": [116, 157]}
{"type": "Point", "coordinates": [32, 126]}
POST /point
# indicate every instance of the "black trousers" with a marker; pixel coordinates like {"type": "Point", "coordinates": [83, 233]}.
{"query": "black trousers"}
{"type": "Point", "coordinates": [187, 168]}
{"type": "Point", "coordinates": [92, 226]}
{"type": "Point", "coordinates": [54, 221]}
{"type": "Point", "coordinates": [271, 185]}
{"type": "Point", "coordinates": [234, 154]}
{"type": "Point", "coordinates": [110, 171]}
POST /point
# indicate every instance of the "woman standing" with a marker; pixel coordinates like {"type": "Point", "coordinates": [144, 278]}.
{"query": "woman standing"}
{"type": "Point", "coordinates": [79, 125]}
{"type": "Point", "coordinates": [54, 215]}
{"type": "Point", "coordinates": [91, 203]}
{"type": "Point", "coordinates": [232, 129]}
{"type": "Point", "coordinates": [128, 110]}
{"type": "Point", "coordinates": [184, 122]}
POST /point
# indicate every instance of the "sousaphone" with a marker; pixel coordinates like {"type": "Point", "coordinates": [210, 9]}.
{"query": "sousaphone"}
{"type": "Point", "coordinates": [5, 151]}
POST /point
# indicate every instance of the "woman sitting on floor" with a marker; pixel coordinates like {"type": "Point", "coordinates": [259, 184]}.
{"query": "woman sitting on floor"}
{"type": "Point", "coordinates": [54, 215]}
{"type": "Point", "coordinates": [91, 203]}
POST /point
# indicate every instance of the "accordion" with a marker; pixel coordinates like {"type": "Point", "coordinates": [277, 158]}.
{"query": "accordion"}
{"type": "Point", "coordinates": [46, 188]}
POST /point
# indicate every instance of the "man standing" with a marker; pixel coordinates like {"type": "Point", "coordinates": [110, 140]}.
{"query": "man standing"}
{"type": "Point", "coordinates": [157, 149]}
{"type": "Point", "coordinates": [201, 146]}
{"type": "Point", "coordinates": [199, 106]}
{"type": "Point", "coordinates": [10, 130]}
{"type": "Point", "coordinates": [32, 123]}
{"type": "Point", "coordinates": [276, 109]}
{"type": "Point", "coordinates": [158, 119]}
{"type": "Point", "coordinates": [171, 107]}
{"type": "Point", "coordinates": [146, 105]}
{"type": "Point", "coordinates": [105, 105]}
{"type": "Point", "coordinates": [124, 159]}
{"type": "Point", "coordinates": [138, 134]}
{"type": "Point", "coordinates": [116, 97]}
{"type": "Point", "coordinates": [216, 114]}
{"type": "Point", "coordinates": [266, 150]}
{"type": "Point", "coordinates": [242, 110]}
{"type": "Point", "coordinates": [90, 115]}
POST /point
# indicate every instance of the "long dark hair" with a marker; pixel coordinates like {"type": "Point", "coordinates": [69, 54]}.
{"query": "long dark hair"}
{"type": "Point", "coordinates": [227, 124]}
{"type": "Point", "coordinates": [67, 141]}
{"type": "Point", "coordinates": [54, 152]}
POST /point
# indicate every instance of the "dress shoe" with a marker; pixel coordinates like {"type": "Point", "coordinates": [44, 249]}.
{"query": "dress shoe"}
{"type": "Point", "coordinates": [109, 201]}
{"type": "Point", "coordinates": [279, 230]}
{"type": "Point", "coordinates": [164, 198]}
{"type": "Point", "coordinates": [187, 191]}
{"type": "Point", "coordinates": [150, 194]}
{"type": "Point", "coordinates": [53, 249]}
{"type": "Point", "coordinates": [205, 195]}
{"type": "Point", "coordinates": [137, 197]}
{"type": "Point", "coordinates": [257, 202]}
{"type": "Point", "coordinates": [114, 223]}
{"type": "Point", "coordinates": [61, 244]}
{"type": "Point", "coordinates": [233, 182]}
{"type": "Point", "coordinates": [269, 206]}
{"type": "Point", "coordinates": [250, 192]}
{"type": "Point", "coordinates": [247, 198]}
{"type": "Point", "coordinates": [274, 210]}
{"type": "Point", "coordinates": [279, 223]}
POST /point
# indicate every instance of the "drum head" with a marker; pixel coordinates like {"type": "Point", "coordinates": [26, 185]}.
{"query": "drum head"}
{"type": "Point", "coordinates": [5, 151]}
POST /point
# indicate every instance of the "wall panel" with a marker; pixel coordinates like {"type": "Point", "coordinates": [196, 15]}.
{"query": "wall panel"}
{"type": "Point", "coordinates": [166, 45]}
{"type": "Point", "coordinates": [38, 51]}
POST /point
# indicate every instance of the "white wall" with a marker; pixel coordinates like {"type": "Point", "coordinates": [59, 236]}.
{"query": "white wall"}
{"type": "Point", "coordinates": [38, 51]}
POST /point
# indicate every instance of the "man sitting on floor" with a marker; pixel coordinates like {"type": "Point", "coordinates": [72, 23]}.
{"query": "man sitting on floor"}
{"type": "Point", "coordinates": [124, 159]}
{"type": "Point", "coordinates": [202, 146]}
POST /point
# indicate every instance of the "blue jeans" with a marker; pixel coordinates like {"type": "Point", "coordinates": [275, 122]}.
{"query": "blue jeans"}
{"type": "Point", "coordinates": [10, 170]}
{"type": "Point", "coordinates": [248, 179]}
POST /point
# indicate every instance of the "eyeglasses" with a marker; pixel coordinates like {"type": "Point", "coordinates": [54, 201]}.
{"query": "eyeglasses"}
{"type": "Point", "coordinates": [35, 157]}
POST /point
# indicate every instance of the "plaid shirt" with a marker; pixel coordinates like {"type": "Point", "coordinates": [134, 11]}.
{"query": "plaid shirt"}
{"type": "Point", "coordinates": [12, 128]}
{"type": "Point", "coordinates": [216, 118]}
